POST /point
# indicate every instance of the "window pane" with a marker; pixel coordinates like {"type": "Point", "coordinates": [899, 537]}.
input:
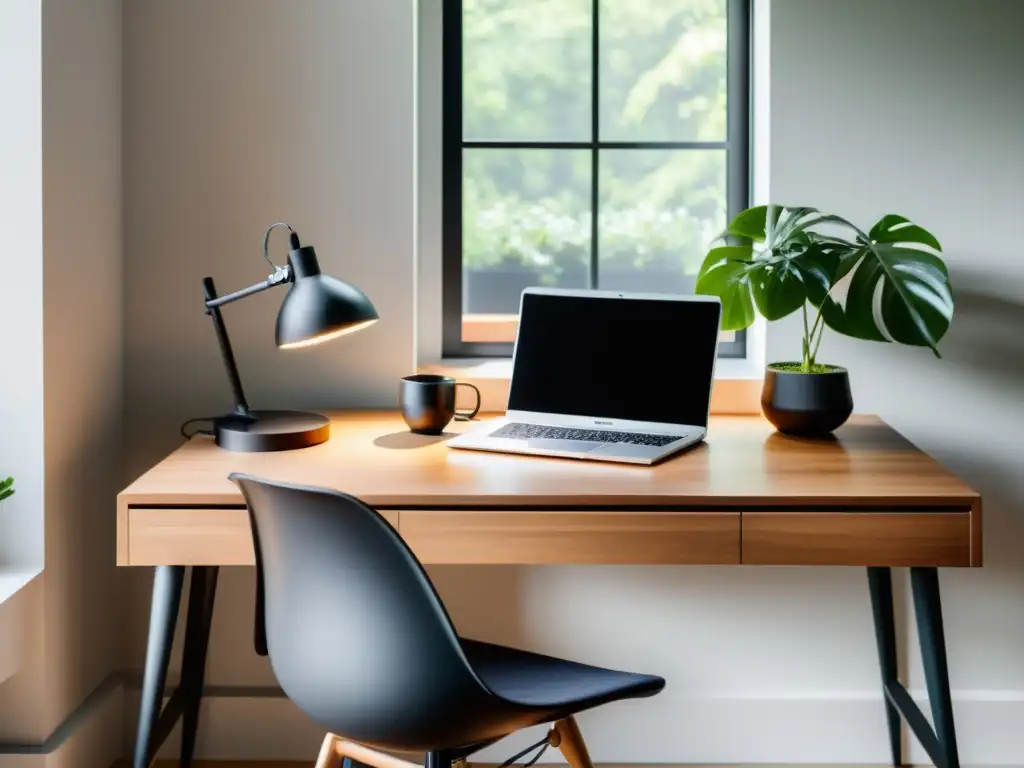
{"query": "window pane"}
{"type": "Point", "coordinates": [526, 221]}
{"type": "Point", "coordinates": [526, 70]}
{"type": "Point", "coordinates": [658, 212]}
{"type": "Point", "coordinates": [662, 70]}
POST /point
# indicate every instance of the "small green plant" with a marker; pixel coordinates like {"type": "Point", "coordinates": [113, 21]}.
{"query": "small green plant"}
{"type": "Point", "coordinates": [6, 488]}
{"type": "Point", "coordinates": [777, 260]}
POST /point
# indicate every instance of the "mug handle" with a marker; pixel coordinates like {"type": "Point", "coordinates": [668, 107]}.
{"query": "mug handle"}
{"type": "Point", "coordinates": [476, 409]}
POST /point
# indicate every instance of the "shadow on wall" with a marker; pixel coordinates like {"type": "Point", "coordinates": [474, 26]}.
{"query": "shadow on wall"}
{"type": "Point", "coordinates": [986, 346]}
{"type": "Point", "coordinates": [986, 334]}
{"type": "Point", "coordinates": [484, 602]}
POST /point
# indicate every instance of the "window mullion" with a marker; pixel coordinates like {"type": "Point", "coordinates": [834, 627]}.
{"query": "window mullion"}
{"type": "Point", "coordinates": [595, 130]}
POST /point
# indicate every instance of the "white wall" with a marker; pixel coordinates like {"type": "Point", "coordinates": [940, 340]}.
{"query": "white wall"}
{"type": "Point", "coordinates": [21, 289]}
{"type": "Point", "coordinates": [916, 107]}
{"type": "Point", "coordinates": [303, 111]}
{"type": "Point", "coordinates": [70, 327]}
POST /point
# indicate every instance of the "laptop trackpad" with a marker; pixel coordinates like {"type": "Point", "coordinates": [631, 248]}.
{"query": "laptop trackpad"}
{"type": "Point", "coordinates": [629, 450]}
{"type": "Point", "coordinates": [575, 446]}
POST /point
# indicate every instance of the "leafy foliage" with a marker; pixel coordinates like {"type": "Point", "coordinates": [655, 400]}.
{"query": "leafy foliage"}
{"type": "Point", "coordinates": [888, 284]}
{"type": "Point", "coordinates": [527, 77]}
{"type": "Point", "coordinates": [6, 488]}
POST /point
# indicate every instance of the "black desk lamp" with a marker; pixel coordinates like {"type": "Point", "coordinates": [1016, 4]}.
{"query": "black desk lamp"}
{"type": "Point", "coordinates": [317, 308]}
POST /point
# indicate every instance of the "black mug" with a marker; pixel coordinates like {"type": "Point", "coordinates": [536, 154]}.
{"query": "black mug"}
{"type": "Point", "coordinates": [427, 401]}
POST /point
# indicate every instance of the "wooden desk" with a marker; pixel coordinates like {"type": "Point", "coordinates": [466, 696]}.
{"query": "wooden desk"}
{"type": "Point", "coordinates": [748, 496]}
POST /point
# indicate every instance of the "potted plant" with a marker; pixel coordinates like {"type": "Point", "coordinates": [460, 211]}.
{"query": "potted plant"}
{"type": "Point", "coordinates": [886, 284]}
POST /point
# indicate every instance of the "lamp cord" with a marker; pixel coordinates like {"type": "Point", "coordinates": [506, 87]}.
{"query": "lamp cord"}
{"type": "Point", "coordinates": [542, 744]}
{"type": "Point", "coordinates": [189, 435]}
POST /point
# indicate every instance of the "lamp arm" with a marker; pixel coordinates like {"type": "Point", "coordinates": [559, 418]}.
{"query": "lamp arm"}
{"type": "Point", "coordinates": [213, 305]}
{"type": "Point", "coordinates": [281, 275]}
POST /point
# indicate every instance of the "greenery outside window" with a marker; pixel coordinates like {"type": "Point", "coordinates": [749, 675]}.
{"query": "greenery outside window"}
{"type": "Point", "coordinates": [586, 143]}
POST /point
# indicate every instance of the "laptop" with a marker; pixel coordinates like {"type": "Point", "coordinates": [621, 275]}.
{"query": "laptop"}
{"type": "Point", "coordinates": [606, 376]}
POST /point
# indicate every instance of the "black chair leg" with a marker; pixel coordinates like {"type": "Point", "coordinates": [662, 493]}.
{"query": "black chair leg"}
{"type": "Point", "coordinates": [197, 640]}
{"type": "Point", "coordinates": [924, 583]}
{"type": "Point", "coordinates": [163, 616]}
{"type": "Point", "coordinates": [880, 586]}
{"type": "Point", "coordinates": [439, 760]}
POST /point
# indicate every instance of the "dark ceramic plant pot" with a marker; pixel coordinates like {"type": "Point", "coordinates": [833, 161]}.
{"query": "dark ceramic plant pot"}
{"type": "Point", "coordinates": [806, 404]}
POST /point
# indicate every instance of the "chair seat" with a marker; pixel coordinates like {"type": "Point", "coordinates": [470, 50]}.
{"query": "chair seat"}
{"type": "Point", "coordinates": [556, 685]}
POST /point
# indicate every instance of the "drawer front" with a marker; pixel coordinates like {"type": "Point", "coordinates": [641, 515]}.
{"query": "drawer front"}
{"type": "Point", "coordinates": [492, 537]}
{"type": "Point", "coordinates": [857, 538]}
{"type": "Point", "coordinates": [177, 536]}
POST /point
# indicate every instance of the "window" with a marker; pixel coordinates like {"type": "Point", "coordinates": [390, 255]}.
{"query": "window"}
{"type": "Point", "coordinates": [586, 143]}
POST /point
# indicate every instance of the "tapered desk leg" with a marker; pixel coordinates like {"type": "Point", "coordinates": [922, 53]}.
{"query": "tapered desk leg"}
{"type": "Point", "coordinates": [197, 640]}
{"type": "Point", "coordinates": [880, 585]}
{"type": "Point", "coordinates": [924, 583]}
{"type": "Point", "coordinates": [163, 616]}
{"type": "Point", "coordinates": [939, 742]}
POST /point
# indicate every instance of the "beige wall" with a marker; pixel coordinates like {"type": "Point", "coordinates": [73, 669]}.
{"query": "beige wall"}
{"type": "Point", "coordinates": [81, 320]}
{"type": "Point", "coordinates": [239, 113]}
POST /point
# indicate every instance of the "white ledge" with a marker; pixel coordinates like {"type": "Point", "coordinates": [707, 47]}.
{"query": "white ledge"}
{"type": "Point", "coordinates": [20, 595]}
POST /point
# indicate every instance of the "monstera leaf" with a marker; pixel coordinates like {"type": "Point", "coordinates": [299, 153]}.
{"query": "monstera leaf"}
{"type": "Point", "coordinates": [773, 261]}
{"type": "Point", "coordinates": [899, 287]}
{"type": "Point", "coordinates": [6, 488]}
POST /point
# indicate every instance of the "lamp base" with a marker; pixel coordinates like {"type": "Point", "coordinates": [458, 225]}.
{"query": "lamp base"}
{"type": "Point", "coordinates": [271, 431]}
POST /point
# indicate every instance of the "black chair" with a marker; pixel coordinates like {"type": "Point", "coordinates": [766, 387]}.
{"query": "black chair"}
{"type": "Point", "coordinates": [360, 641]}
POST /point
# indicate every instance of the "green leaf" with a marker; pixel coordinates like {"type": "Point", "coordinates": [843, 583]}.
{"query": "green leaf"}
{"type": "Point", "coordinates": [916, 302]}
{"type": "Point", "coordinates": [792, 223]}
{"type": "Point", "coordinates": [753, 221]}
{"type": "Point", "coordinates": [899, 229]}
{"type": "Point", "coordinates": [778, 289]}
{"type": "Point", "coordinates": [817, 268]}
{"type": "Point", "coordinates": [722, 253]}
{"type": "Point", "coordinates": [885, 223]}
{"type": "Point", "coordinates": [728, 280]}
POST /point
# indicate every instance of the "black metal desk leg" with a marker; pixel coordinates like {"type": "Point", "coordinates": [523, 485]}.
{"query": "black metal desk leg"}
{"type": "Point", "coordinates": [163, 616]}
{"type": "Point", "coordinates": [197, 640]}
{"type": "Point", "coordinates": [928, 607]}
{"type": "Point", "coordinates": [938, 741]}
{"type": "Point", "coordinates": [880, 586]}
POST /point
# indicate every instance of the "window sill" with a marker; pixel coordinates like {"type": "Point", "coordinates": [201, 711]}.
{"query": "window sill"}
{"type": "Point", "coordinates": [19, 597]}
{"type": "Point", "coordinates": [737, 387]}
{"type": "Point", "coordinates": [13, 580]}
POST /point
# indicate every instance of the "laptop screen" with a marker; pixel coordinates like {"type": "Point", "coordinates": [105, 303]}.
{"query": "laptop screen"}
{"type": "Point", "coordinates": [637, 359]}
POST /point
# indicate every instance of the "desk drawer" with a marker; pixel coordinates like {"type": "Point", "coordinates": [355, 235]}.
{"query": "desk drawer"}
{"type": "Point", "coordinates": [189, 537]}
{"type": "Point", "coordinates": [857, 538]}
{"type": "Point", "coordinates": [196, 536]}
{"type": "Point", "coordinates": [492, 537]}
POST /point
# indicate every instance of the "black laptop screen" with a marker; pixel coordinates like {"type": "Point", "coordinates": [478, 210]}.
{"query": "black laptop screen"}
{"type": "Point", "coordinates": [639, 359]}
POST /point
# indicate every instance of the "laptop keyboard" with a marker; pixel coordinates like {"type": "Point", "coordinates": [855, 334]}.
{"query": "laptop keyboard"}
{"type": "Point", "coordinates": [536, 431]}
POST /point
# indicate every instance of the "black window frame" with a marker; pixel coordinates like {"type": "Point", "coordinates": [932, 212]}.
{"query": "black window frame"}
{"type": "Point", "coordinates": [736, 146]}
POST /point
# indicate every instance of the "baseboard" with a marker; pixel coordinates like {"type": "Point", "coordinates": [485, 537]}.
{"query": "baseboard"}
{"type": "Point", "coordinates": [302, 764]}
{"type": "Point", "coordinates": [828, 729]}
{"type": "Point", "coordinates": [90, 737]}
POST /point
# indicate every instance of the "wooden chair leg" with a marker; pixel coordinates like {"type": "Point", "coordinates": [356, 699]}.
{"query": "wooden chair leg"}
{"type": "Point", "coordinates": [329, 757]}
{"type": "Point", "coordinates": [335, 749]}
{"type": "Point", "coordinates": [570, 743]}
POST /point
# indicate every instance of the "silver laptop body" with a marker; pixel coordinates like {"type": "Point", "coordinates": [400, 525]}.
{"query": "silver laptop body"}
{"type": "Point", "coordinates": [606, 376]}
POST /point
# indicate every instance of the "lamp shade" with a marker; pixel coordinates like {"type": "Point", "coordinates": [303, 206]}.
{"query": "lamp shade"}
{"type": "Point", "coordinates": [319, 307]}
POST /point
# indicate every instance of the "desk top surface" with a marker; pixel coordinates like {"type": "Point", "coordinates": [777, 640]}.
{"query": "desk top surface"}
{"type": "Point", "coordinates": [743, 463]}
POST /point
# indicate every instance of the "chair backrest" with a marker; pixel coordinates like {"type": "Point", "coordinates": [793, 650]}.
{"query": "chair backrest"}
{"type": "Point", "coordinates": [357, 636]}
